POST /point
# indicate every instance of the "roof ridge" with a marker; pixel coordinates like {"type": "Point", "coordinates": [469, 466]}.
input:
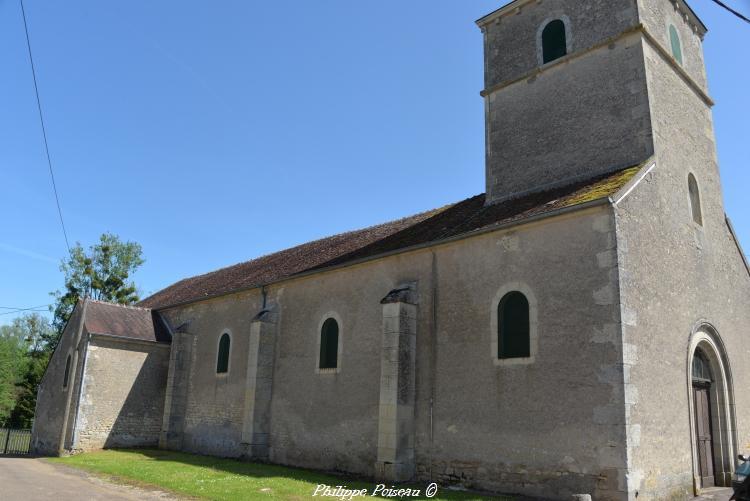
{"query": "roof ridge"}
{"type": "Point", "coordinates": [108, 303]}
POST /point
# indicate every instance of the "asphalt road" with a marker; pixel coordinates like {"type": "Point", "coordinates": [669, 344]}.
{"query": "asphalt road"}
{"type": "Point", "coordinates": [32, 479]}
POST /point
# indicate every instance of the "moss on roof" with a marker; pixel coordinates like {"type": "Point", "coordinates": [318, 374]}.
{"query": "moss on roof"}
{"type": "Point", "coordinates": [604, 188]}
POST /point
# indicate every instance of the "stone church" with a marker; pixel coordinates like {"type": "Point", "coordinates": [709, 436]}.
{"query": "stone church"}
{"type": "Point", "coordinates": [581, 327]}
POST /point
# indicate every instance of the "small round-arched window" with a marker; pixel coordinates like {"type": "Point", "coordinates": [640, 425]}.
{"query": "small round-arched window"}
{"type": "Point", "coordinates": [674, 40]}
{"type": "Point", "coordinates": [329, 345]}
{"type": "Point", "coordinates": [513, 327]}
{"type": "Point", "coordinates": [701, 368]}
{"type": "Point", "coordinates": [554, 41]}
{"type": "Point", "coordinates": [222, 358]}
{"type": "Point", "coordinates": [695, 200]}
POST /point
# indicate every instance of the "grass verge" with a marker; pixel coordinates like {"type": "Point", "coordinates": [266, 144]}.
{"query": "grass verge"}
{"type": "Point", "coordinates": [208, 477]}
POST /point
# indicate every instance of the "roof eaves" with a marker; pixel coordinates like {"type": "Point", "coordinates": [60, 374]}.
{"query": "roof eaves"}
{"type": "Point", "coordinates": [500, 12]}
{"type": "Point", "coordinates": [694, 17]}
{"type": "Point", "coordinates": [517, 4]}
{"type": "Point", "coordinates": [128, 339]}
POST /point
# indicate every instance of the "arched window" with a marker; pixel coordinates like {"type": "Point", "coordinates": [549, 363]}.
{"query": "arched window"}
{"type": "Point", "coordinates": [66, 376]}
{"type": "Point", "coordinates": [329, 344]}
{"type": "Point", "coordinates": [513, 327]}
{"type": "Point", "coordinates": [674, 39]}
{"type": "Point", "coordinates": [222, 360]}
{"type": "Point", "coordinates": [701, 368]}
{"type": "Point", "coordinates": [695, 200]}
{"type": "Point", "coordinates": [554, 41]}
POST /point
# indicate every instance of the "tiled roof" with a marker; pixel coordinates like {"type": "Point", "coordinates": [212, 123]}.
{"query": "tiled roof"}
{"type": "Point", "coordinates": [124, 321]}
{"type": "Point", "coordinates": [269, 268]}
{"type": "Point", "coordinates": [451, 221]}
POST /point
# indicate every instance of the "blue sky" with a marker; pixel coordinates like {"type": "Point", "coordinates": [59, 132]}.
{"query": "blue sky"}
{"type": "Point", "coordinates": [214, 132]}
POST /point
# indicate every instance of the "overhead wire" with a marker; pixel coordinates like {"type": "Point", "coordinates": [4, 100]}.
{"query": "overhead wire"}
{"type": "Point", "coordinates": [24, 308]}
{"type": "Point", "coordinates": [42, 307]}
{"type": "Point", "coordinates": [44, 129]}
{"type": "Point", "coordinates": [736, 13]}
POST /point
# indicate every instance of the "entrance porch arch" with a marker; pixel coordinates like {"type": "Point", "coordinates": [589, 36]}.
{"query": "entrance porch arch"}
{"type": "Point", "coordinates": [714, 410]}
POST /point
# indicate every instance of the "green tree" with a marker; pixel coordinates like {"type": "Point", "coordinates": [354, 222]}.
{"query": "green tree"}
{"type": "Point", "coordinates": [22, 415]}
{"type": "Point", "coordinates": [11, 361]}
{"type": "Point", "coordinates": [102, 273]}
{"type": "Point", "coordinates": [24, 354]}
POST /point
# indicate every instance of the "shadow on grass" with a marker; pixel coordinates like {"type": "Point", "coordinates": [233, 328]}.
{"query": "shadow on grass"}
{"type": "Point", "coordinates": [228, 479]}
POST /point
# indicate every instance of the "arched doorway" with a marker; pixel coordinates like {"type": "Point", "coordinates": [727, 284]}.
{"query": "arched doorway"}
{"type": "Point", "coordinates": [702, 405]}
{"type": "Point", "coordinates": [711, 401]}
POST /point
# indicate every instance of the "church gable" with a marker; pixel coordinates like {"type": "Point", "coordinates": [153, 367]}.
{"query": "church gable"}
{"type": "Point", "coordinates": [106, 349]}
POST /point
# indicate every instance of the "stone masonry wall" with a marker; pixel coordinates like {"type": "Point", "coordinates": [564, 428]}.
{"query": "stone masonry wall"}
{"type": "Point", "coordinates": [52, 398]}
{"type": "Point", "coordinates": [207, 409]}
{"type": "Point", "coordinates": [549, 427]}
{"type": "Point", "coordinates": [122, 398]}
{"type": "Point", "coordinates": [584, 115]}
{"type": "Point", "coordinates": [657, 16]}
{"type": "Point", "coordinates": [511, 48]}
{"type": "Point", "coordinates": [553, 426]}
{"type": "Point", "coordinates": [677, 275]}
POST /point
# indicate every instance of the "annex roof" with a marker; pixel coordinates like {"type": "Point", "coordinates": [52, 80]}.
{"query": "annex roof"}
{"type": "Point", "coordinates": [463, 218]}
{"type": "Point", "coordinates": [124, 322]}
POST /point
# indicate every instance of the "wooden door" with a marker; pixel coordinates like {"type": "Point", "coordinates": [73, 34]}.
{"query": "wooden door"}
{"type": "Point", "coordinates": [703, 434]}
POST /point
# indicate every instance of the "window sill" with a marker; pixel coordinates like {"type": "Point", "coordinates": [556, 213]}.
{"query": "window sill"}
{"type": "Point", "coordinates": [507, 362]}
{"type": "Point", "coordinates": [334, 370]}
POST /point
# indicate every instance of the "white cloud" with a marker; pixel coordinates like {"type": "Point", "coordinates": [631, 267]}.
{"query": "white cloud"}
{"type": "Point", "coordinates": [27, 253]}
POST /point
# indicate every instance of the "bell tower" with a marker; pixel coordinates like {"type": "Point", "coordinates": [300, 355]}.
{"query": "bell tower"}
{"type": "Point", "coordinates": [567, 87]}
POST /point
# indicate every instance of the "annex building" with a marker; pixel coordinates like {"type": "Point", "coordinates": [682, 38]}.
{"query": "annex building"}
{"type": "Point", "coordinates": [581, 327]}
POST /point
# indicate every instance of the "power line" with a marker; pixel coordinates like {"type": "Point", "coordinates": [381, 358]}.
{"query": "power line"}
{"type": "Point", "coordinates": [24, 311]}
{"type": "Point", "coordinates": [19, 310]}
{"type": "Point", "coordinates": [16, 308]}
{"type": "Point", "coordinates": [722, 4]}
{"type": "Point", "coordinates": [44, 130]}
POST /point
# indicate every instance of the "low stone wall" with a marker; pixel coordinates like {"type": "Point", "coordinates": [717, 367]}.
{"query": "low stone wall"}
{"type": "Point", "coordinates": [527, 480]}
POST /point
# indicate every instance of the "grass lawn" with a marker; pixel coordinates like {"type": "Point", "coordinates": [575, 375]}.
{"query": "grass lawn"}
{"type": "Point", "coordinates": [222, 479]}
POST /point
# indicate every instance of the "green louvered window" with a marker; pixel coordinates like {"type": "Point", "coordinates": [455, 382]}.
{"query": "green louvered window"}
{"type": "Point", "coordinates": [329, 344]}
{"type": "Point", "coordinates": [554, 41]}
{"type": "Point", "coordinates": [66, 376]}
{"type": "Point", "coordinates": [222, 361]}
{"type": "Point", "coordinates": [513, 325]}
{"type": "Point", "coordinates": [674, 39]}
